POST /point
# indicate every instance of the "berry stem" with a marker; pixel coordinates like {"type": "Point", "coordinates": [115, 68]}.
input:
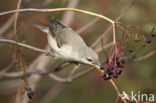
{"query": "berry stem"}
{"type": "Point", "coordinates": [116, 88]}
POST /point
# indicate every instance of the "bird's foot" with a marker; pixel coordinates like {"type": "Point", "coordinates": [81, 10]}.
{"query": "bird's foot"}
{"type": "Point", "coordinates": [48, 52]}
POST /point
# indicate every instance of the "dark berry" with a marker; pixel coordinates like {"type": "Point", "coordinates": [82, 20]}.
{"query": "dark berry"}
{"type": "Point", "coordinates": [109, 77]}
{"type": "Point", "coordinates": [109, 72]}
{"type": "Point", "coordinates": [119, 71]}
{"type": "Point", "coordinates": [101, 67]}
{"type": "Point", "coordinates": [105, 77]}
{"type": "Point", "coordinates": [109, 69]}
{"type": "Point", "coordinates": [29, 95]}
{"type": "Point", "coordinates": [153, 35]}
{"type": "Point", "coordinates": [148, 41]}
{"type": "Point", "coordinates": [118, 64]}
{"type": "Point", "coordinates": [115, 75]}
{"type": "Point", "coordinates": [123, 60]}
{"type": "Point", "coordinates": [28, 88]}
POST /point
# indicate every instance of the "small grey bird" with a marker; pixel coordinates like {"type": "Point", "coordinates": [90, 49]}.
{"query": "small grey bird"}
{"type": "Point", "coordinates": [68, 45]}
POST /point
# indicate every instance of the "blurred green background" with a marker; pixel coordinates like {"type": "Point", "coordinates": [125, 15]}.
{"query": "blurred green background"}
{"type": "Point", "coordinates": [90, 88]}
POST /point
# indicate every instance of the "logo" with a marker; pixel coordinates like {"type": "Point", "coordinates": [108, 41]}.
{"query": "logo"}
{"type": "Point", "coordinates": [138, 96]}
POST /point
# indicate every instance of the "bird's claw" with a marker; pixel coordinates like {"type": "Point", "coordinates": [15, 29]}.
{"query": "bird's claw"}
{"type": "Point", "coordinates": [48, 52]}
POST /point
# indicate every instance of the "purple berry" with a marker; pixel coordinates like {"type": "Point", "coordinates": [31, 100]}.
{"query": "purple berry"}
{"type": "Point", "coordinates": [148, 41]}
{"type": "Point", "coordinates": [115, 75]}
{"type": "Point", "coordinates": [101, 67]}
{"type": "Point", "coordinates": [119, 71]}
{"type": "Point", "coordinates": [153, 35]}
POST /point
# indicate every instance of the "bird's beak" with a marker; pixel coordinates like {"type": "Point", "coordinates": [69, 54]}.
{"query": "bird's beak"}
{"type": "Point", "coordinates": [99, 67]}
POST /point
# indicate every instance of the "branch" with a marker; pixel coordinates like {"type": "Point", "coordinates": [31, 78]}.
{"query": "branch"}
{"type": "Point", "coordinates": [6, 26]}
{"type": "Point", "coordinates": [22, 45]}
{"type": "Point", "coordinates": [146, 56]}
{"type": "Point", "coordinates": [57, 10]}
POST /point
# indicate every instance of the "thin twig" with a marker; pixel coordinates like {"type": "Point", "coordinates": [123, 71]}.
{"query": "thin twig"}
{"type": "Point", "coordinates": [146, 56]}
{"type": "Point", "coordinates": [16, 17]}
{"type": "Point", "coordinates": [6, 26]}
{"type": "Point", "coordinates": [116, 88]}
{"type": "Point", "coordinates": [110, 27]}
{"type": "Point", "coordinates": [22, 45]}
{"type": "Point", "coordinates": [57, 10]}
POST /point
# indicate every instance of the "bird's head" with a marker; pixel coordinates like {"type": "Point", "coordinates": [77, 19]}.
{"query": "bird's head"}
{"type": "Point", "coordinates": [90, 57]}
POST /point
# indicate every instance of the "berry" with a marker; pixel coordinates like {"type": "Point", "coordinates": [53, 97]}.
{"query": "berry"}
{"type": "Point", "coordinates": [148, 41]}
{"type": "Point", "coordinates": [109, 77]}
{"type": "Point", "coordinates": [29, 95]}
{"type": "Point", "coordinates": [109, 72]}
{"type": "Point", "coordinates": [123, 60]}
{"type": "Point", "coordinates": [118, 64]}
{"type": "Point", "coordinates": [105, 77]}
{"type": "Point", "coordinates": [115, 75]}
{"type": "Point", "coordinates": [28, 88]}
{"type": "Point", "coordinates": [109, 69]}
{"type": "Point", "coordinates": [153, 35]}
{"type": "Point", "coordinates": [101, 67]}
{"type": "Point", "coordinates": [119, 71]}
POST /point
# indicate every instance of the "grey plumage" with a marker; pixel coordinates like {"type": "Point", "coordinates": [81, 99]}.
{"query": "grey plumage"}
{"type": "Point", "coordinates": [68, 45]}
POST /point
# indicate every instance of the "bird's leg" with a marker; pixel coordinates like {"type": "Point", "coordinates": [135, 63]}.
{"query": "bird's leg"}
{"type": "Point", "coordinates": [60, 66]}
{"type": "Point", "coordinates": [74, 62]}
{"type": "Point", "coordinates": [48, 51]}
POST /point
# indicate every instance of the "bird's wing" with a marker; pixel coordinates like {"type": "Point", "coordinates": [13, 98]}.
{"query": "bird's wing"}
{"type": "Point", "coordinates": [64, 35]}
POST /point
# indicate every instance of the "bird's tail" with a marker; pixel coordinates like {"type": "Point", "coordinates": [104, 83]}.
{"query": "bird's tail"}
{"type": "Point", "coordinates": [42, 28]}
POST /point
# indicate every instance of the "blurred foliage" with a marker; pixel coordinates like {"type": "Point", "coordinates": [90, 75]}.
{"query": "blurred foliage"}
{"type": "Point", "coordinates": [91, 88]}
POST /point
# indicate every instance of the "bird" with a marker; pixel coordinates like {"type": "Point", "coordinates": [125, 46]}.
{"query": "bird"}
{"type": "Point", "coordinates": [67, 45]}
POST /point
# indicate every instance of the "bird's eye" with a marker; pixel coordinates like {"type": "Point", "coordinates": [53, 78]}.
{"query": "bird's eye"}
{"type": "Point", "coordinates": [89, 59]}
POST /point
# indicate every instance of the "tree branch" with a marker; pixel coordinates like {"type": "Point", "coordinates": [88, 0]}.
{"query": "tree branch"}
{"type": "Point", "coordinates": [57, 10]}
{"type": "Point", "coordinates": [22, 45]}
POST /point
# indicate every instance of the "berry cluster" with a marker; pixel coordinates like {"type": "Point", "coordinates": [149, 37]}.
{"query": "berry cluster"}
{"type": "Point", "coordinates": [149, 40]}
{"type": "Point", "coordinates": [29, 92]}
{"type": "Point", "coordinates": [113, 68]}
{"type": "Point", "coordinates": [27, 88]}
